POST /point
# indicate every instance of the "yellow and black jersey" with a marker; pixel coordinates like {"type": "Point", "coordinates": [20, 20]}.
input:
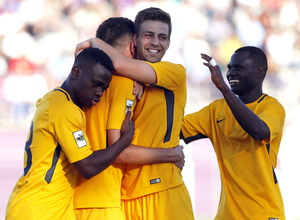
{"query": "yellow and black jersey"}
{"type": "Point", "coordinates": [103, 190]}
{"type": "Point", "coordinates": [56, 139]}
{"type": "Point", "coordinates": [249, 185]}
{"type": "Point", "coordinates": [158, 117]}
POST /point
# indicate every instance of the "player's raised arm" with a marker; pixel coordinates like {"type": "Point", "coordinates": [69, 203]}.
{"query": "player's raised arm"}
{"type": "Point", "coordinates": [248, 120]}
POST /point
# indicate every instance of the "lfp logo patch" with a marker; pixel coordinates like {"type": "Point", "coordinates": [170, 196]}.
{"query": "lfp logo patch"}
{"type": "Point", "coordinates": [129, 104]}
{"type": "Point", "coordinates": [79, 138]}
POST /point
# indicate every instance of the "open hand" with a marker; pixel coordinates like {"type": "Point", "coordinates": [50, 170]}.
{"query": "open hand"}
{"type": "Point", "coordinates": [216, 74]}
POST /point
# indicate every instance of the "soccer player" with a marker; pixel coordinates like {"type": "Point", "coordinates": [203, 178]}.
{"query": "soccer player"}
{"type": "Point", "coordinates": [154, 191]}
{"type": "Point", "coordinates": [100, 197]}
{"type": "Point", "coordinates": [245, 128]}
{"type": "Point", "coordinates": [57, 146]}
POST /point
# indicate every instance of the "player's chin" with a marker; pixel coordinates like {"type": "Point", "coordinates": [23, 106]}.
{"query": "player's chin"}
{"type": "Point", "coordinates": [88, 104]}
{"type": "Point", "coordinates": [153, 59]}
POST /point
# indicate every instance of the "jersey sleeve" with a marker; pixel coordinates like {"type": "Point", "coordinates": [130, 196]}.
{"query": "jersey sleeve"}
{"type": "Point", "coordinates": [197, 125]}
{"type": "Point", "coordinates": [273, 114]}
{"type": "Point", "coordinates": [121, 98]}
{"type": "Point", "coordinates": [70, 128]}
{"type": "Point", "coordinates": [169, 75]}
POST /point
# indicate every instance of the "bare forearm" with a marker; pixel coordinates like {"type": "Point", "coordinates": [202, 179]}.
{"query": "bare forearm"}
{"type": "Point", "coordinates": [248, 120]}
{"type": "Point", "coordinates": [101, 159]}
{"type": "Point", "coordinates": [144, 155]}
{"type": "Point", "coordinates": [134, 69]}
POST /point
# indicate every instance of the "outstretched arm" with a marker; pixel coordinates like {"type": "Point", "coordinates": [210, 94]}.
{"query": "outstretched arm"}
{"type": "Point", "coordinates": [124, 66]}
{"type": "Point", "coordinates": [101, 159]}
{"type": "Point", "coordinates": [248, 120]}
{"type": "Point", "coordinates": [144, 155]}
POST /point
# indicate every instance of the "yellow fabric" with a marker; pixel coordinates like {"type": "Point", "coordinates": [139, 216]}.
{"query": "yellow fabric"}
{"type": "Point", "coordinates": [46, 190]}
{"type": "Point", "coordinates": [160, 111]}
{"type": "Point", "coordinates": [173, 204]}
{"type": "Point", "coordinates": [99, 214]}
{"type": "Point", "coordinates": [249, 187]}
{"type": "Point", "coordinates": [103, 190]}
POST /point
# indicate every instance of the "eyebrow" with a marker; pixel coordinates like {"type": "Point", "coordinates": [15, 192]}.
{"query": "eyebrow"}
{"type": "Point", "coordinates": [151, 32]}
{"type": "Point", "coordinates": [234, 65]}
{"type": "Point", "coordinates": [98, 82]}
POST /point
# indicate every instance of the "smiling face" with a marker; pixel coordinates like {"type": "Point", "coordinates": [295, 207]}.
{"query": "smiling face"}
{"type": "Point", "coordinates": [244, 75]}
{"type": "Point", "coordinates": [152, 41]}
{"type": "Point", "coordinates": [89, 84]}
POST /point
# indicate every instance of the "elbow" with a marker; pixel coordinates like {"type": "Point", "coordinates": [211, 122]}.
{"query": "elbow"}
{"type": "Point", "coordinates": [85, 169]}
{"type": "Point", "coordinates": [260, 136]}
{"type": "Point", "coordinates": [87, 173]}
{"type": "Point", "coordinates": [87, 177]}
{"type": "Point", "coordinates": [256, 137]}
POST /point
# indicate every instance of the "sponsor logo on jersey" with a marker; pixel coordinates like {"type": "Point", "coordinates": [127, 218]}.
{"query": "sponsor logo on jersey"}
{"type": "Point", "coordinates": [273, 218]}
{"type": "Point", "coordinates": [154, 181]}
{"type": "Point", "coordinates": [79, 138]}
{"type": "Point", "coordinates": [129, 104]}
{"type": "Point", "coordinates": [218, 121]}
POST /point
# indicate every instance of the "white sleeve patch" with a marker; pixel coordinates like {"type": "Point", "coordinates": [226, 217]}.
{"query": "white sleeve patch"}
{"type": "Point", "coordinates": [79, 138]}
{"type": "Point", "coordinates": [129, 104]}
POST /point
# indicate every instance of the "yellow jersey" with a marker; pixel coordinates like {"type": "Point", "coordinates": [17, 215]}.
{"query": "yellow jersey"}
{"type": "Point", "coordinates": [56, 139]}
{"type": "Point", "coordinates": [249, 187]}
{"type": "Point", "coordinates": [158, 117]}
{"type": "Point", "coordinates": [103, 190]}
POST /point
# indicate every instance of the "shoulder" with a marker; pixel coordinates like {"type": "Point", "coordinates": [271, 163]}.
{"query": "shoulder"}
{"type": "Point", "coordinates": [120, 83]}
{"type": "Point", "coordinates": [271, 101]}
{"type": "Point", "coordinates": [166, 64]}
{"type": "Point", "coordinates": [120, 79]}
{"type": "Point", "coordinates": [61, 104]}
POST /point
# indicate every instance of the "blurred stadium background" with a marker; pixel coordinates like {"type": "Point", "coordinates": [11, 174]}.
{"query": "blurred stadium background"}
{"type": "Point", "coordinates": [37, 42]}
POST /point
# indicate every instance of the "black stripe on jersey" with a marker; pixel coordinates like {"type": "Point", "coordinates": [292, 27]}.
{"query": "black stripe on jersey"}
{"type": "Point", "coordinates": [107, 142]}
{"type": "Point", "coordinates": [274, 174]}
{"type": "Point", "coordinates": [63, 93]}
{"type": "Point", "coordinates": [28, 151]}
{"type": "Point", "coordinates": [50, 172]}
{"type": "Point", "coordinates": [262, 98]}
{"type": "Point", "coordinates": [268, 148]}
{"type": "Point", "coordinates": [193, 138]}
{"type": "Point", "coordinates": [169, 95]}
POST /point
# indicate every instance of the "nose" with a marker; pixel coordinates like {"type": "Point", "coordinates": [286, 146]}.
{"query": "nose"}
{"type": "Point", "coordinates": [99, 92]}
{"type": "Point", "coordinates": [231, 72]}
{"type": "Point", "coordinates": [155, 41]}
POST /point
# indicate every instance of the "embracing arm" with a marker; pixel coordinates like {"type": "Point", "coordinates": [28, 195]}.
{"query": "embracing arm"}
{"type": "Point", "coordinates": [101, 159]}
{"type": "Point", "coordinates": [124, 66]}
{"type": "Point", "coordinates": [248, 120]}
{"type": "Point", "coordinates": [144, 155]}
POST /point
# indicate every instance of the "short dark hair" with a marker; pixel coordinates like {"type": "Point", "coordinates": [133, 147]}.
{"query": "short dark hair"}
{"type": "Point", "coordinates": [256, 54]}
{"type": "Point", "coordinates": [113, 29]}
{"type": "Point", "coordinates": [153, 14]}
{"type": "Point", "coordinates": [92, 56]}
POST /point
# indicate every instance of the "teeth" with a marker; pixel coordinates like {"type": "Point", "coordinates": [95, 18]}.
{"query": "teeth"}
{"type": "Point", "coordinates": [153, 51]}
{"type": "Point", "coordinates": [234, 81]}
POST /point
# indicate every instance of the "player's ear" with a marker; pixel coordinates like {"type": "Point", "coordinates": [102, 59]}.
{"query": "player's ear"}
{"type": "Point", "coordinates": [132, 48]}
{"type": "Point", "coordinates": [260, 71]}
{"type": "Point", "coordinates": [75, 72]}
